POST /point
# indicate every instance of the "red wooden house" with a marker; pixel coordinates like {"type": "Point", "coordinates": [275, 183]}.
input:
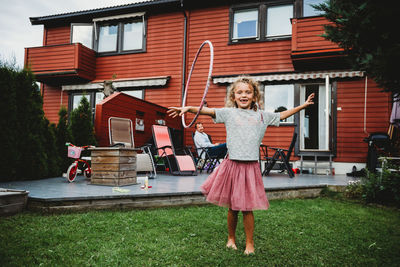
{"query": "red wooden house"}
{"type": "Point", "coordinates": [147, 48]}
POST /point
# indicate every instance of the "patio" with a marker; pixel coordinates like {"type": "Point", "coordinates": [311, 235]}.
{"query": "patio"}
{"type": "Point", "coordinates": [56, 194]}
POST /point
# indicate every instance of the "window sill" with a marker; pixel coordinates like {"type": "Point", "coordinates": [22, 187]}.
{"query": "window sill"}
{"type": "Point", "coordinates": [103, 54]}
{"type": "Point", "coordinates": [254, 40]}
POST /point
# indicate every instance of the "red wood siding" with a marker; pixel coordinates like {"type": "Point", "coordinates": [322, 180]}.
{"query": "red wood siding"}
{"type": "Point", "coordinates": [306, 35]}
{"type": "Point", "coordinates": [213, 24]}
{"type": "Point", "coordinates": [67, 60]}
{"type": "Point", "coordinates": [52, 99]}
{"type": "Point", "coordinates": [350, 120]}
{"type": "Point", "coordinates": [163, 58]}
{"type": "Point", "coordinates": [58, 35]}
{"type": "Point", "coordinates": [125, 106]}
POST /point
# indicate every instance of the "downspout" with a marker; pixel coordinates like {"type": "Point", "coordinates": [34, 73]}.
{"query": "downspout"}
{"type": "Point", "coordinates": [184, 51]}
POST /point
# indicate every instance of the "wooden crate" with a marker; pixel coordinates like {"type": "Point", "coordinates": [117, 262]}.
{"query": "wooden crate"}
{"type": "Point", "coordinates": [114, 166]}
{"type": "Point", "coordinates": [12, 201]}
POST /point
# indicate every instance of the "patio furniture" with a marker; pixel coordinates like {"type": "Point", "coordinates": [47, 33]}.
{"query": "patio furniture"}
{"type": "Point", "coordinates": [204, 160]}
{"type": "Point", "coordinates": [282, 157]}
{"type": "Point", "coordinates": [178, 164]}
{"type": "Point", "coordinates": [121, 134]}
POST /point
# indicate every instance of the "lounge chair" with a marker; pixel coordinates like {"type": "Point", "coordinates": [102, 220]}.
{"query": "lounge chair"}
{"type": "Point", "coordinates": [178, 164]}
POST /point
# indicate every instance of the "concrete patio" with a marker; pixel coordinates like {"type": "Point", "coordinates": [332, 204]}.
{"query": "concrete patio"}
{"type": "Point", "coordinates": [57, 194]}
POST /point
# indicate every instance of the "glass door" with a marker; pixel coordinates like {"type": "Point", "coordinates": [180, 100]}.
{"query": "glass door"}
{"type": "Point", "coordinates": [315, 120]}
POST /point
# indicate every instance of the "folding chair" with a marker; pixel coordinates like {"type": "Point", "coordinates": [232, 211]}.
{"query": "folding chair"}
{"type": "Point", "coordinates": [281, 156]}
{"type": "Point", "coordinates": [204, 160]}
{"type": "Point", "coordinates": [182, 164]}
{"type": "Point", "coordinates": [121, 134]}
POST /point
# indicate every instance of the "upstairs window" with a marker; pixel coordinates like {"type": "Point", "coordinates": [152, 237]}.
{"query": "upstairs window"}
{"type": "Point", "coordinates": [245, 24]}
{"type": "Point", "coordinates": [264, 22]}
{"type": "Point", "coordinates": [108, 36]}
{"type": "Point", "coordinates": [278, 20]}
{"type": "Point", "coordinates": [120, 34]}
{"type": "Point", "coordinates": [308, 10]}
{"type": "Point", "coordinates": [82, 33]}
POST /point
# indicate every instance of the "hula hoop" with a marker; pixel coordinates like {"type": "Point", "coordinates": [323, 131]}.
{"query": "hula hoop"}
{"type": "Point", "coordinates": [207, 84]}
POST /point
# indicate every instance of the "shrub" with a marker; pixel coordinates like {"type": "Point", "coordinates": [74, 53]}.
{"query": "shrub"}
{"type": "Point", "coordinates": [63, 135]}
{"type": "Point", "coordinates": [381, 187]}
{"type": "Point", "coordinates": [81, 125]}
{"type": "Point", "coordinates": [384, 187]}
{"type": "Point", "coordinates": [354, 190]}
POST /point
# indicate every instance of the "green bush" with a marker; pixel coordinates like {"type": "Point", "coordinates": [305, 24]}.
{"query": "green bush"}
{"type": "Point", "coordinates": [63, 135]}
{"type": "Point", "coordinates": [27, 138]}
{"type": "Point", "coordinates": [384, 187]}
{"type": "Point", "coordinates": [354, 190]}
{"type": "Point", "coordinates": [81, 125]}
{"type": "Point", "coordinates": [381, 187]}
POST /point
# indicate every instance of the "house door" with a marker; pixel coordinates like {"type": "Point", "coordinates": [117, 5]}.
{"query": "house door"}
{"type": "Point", "coordinates": [315, 121]}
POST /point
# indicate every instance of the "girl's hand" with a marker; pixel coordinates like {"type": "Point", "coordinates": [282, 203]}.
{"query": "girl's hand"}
{"type": "Point", "coordinates": [310, 99]}
{"type": "Point", "coordinates": [177, 111]}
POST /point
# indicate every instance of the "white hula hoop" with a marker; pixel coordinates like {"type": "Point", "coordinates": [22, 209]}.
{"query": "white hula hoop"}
{"type": "Point", "coordinates": [207, 84]}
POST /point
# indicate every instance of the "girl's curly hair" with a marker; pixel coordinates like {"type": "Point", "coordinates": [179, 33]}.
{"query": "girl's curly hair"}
{"type": "Point", "coordinates": [257, 99]}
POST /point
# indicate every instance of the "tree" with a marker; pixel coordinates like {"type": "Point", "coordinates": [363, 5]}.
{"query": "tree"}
{"type": "Point", "coordinates": [63, 135]}
{"type": "Point", "coordinates": [368, 32]}
{"type": "Point", "coordinates": [81, 124]}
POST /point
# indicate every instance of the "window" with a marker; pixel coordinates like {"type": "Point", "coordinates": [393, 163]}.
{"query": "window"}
{"type": "Point", "coordinates": [279, 98]}
{"type": "Point", "coordinates": [135, 93]}
{"type": "Point", "coordinates": [82, 33]}
{"type": "Point", "coordinates": [245, 24]}
{"type": "Point", "coordinates": [119, 37]}
{"type": "Point", "coordinates": [108, 38]}
{"type": "Point", "coordinates": [278, 20]}
{"type": "Point", "coordinates": [133, 36]}
{"type": "Point", "coordinates": [308, 10]}
{"type": "Point", "coordinates": [261, 23]}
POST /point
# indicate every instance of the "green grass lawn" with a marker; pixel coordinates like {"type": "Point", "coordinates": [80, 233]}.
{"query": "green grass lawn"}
{"type": "Point", "coordinates": [311, 232]}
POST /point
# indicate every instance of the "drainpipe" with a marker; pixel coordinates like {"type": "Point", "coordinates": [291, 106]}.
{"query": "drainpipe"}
{"type": "Point", "coordinates": [184, 52]}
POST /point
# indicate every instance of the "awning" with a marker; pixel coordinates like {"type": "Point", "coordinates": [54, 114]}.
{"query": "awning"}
{"type": "Point", "coordinates": [124, 16]}
{"type": "Point", "coordinates": [121, 83]}
{"type": "Point", "coordinates": [293, 76]}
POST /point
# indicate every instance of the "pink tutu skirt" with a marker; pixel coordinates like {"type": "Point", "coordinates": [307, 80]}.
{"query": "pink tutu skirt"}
{"type": "Point", "coordinates": [237, 185]}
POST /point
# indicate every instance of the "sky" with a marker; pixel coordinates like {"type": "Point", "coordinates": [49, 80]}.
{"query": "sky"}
{"type": "Point", "coordinates": [17, 32]}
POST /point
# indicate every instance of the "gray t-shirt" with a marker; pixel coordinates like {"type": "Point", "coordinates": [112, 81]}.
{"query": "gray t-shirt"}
{"type": "Point", "coordinates": [245, 129]}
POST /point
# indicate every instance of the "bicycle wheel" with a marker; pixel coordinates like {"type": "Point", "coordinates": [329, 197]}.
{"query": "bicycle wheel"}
{"type": "Point", "coordinates": [72, 172]}
{"type": "Point", "coordinates": [87, 172]}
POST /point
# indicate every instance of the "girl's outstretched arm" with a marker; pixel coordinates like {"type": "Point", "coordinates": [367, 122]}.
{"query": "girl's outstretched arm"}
{"type": "Point", "coordinates": [287, 113]}
{"type": "Point", "coordinates": [179, 111]}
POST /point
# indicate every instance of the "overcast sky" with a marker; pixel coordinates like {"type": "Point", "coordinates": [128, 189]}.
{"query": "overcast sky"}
{"type": "Point", "coordinates": [16, 31]}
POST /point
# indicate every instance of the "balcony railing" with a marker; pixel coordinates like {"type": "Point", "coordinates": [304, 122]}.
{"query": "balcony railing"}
{"type": "Point", "coordinates": [311, 50]}
{"type": "Point", "coordinates": [61, 64]}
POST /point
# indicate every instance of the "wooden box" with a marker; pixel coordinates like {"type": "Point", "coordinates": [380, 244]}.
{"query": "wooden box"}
{"type": "Point", "coordinates": [114, 166]}
{"type": "Point", "coordinates": [12, 201]}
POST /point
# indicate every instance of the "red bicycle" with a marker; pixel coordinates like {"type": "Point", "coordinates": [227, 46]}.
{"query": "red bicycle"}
{"type": "Point", "coordinates": [73, 170]}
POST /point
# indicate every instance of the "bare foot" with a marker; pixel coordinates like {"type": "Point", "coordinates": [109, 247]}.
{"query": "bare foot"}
{"type": "Point", "coordinates": [249, 249]}
{"type": "Point", "coordinates": [231, 244]}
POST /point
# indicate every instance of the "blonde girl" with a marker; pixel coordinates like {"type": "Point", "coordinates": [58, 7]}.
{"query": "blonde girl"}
{"type": "Point", "coordinates": [237, 182]}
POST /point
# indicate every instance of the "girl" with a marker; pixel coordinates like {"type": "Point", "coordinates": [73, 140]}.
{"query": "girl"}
{"type": "Point", "coordinates": [237, 182]}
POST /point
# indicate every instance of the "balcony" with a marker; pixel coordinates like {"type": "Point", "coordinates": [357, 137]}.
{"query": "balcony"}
{"type": "Point", "coordinates": [311, 51]}
{"type": "Point", "coordinates": [61, 64]}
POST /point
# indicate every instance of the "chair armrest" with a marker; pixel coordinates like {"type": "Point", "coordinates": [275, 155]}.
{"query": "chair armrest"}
{"type": "Point", "coordinates": [164, 147]}
{"type": "Point", "coordinates": [276, 148]}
